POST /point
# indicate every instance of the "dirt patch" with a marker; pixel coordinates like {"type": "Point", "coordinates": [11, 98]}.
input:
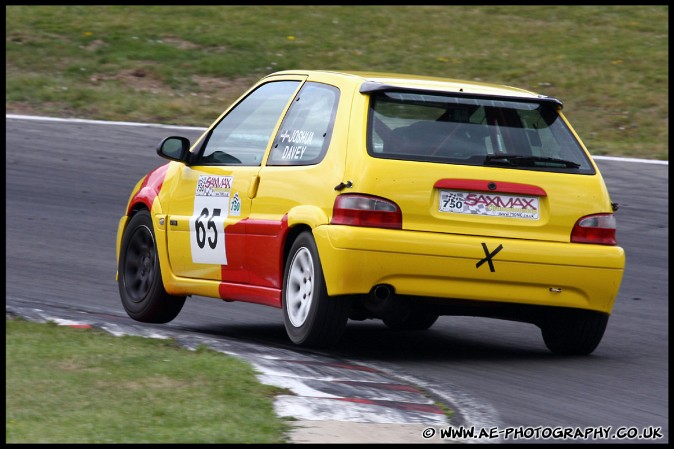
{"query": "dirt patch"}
{"type": "Point", "coordinates": [22, 109]}
{"type": "Point", "coordinates": [207, 98]}
{"type": "Point", "coordinates": [180, 43]}
{"type": "Point", "coordinates": [222, 88]}
{"type": "Point", "coordinates": [144, 79]}
{"type": "Point", "coordinates": [49, 109]}
{"type": "Point", "coordinates": [93, 45]}
{"type": "Point", "coordinates": [139, 78]}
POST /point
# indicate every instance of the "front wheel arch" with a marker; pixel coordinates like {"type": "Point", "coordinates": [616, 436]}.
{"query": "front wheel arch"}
{"type": "Point", "coordinates": [140, 281]}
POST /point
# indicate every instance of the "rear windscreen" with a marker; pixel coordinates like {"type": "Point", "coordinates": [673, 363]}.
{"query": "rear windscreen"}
{"type": "Point", "coordinates": [473, 131]}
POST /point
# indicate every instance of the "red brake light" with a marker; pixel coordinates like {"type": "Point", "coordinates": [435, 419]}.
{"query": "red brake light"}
{"type": "Point", "coordinates": [364, 210]}
{"type": "Point", "coordinates": [599, 229]}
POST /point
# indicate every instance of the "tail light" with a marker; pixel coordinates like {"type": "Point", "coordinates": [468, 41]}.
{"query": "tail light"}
{"type": "Point", "coordinates": [368, 211]}
{"type": "Point", "coordinates": [599, 229]}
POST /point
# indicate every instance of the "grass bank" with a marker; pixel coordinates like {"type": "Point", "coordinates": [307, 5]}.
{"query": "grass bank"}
{"type": "Point", "coordinates": [68, 385]}
{"type": "Point", "coordinates": [184, 64]}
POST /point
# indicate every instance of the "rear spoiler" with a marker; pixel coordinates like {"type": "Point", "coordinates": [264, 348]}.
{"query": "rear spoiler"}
{"type": "Point", "coordinates": [369, 87]}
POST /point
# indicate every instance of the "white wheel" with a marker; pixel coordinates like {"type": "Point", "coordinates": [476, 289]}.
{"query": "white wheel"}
{"type": "Point", "coordinates": [300, 288]}
{"type": "Point", "coordinates": [311, 317]}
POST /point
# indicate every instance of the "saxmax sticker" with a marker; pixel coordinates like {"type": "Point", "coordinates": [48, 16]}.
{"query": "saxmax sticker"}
{"type": "Point", "coordinates": [214, 185]}
{"type": "Point", "coordinates": [489, 204]}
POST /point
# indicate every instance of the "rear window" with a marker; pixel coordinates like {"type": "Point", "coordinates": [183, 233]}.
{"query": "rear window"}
{"type": "Point", "coordinates": [498, 132]}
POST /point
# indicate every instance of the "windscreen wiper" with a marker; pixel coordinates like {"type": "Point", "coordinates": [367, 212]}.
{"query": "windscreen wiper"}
{"type": "Point", "coordinates": [528, 161]}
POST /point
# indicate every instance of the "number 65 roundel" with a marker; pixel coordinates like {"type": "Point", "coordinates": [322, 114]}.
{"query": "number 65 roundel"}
{"type": "Point", "coordinates": [207, 224]}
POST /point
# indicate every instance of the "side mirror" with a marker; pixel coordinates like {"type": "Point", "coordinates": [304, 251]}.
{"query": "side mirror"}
{"type": "Point", "coordinates": [175, 148]}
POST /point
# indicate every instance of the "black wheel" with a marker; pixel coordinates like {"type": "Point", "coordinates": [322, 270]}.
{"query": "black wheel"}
{"type": "Point", "coordinates": [573, 332]}
{"type": "Point", "coordinates": [311, 317]}
{"type": "Point", "coordinates": [412, 319]}
{"type": "Point", "coordinates": [140, 283]}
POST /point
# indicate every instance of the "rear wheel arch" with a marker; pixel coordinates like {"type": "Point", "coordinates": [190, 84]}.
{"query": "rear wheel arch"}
{"type": "Point", "coordinates": [300, 219]}
{"type": "Point", "coordinates": [307, 215]}
{"type": "Point", "coordinates": [290, 238]}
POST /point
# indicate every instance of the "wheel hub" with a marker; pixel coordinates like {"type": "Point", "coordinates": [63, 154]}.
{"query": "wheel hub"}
{"type": "Point", "coordinates": [300, 287]}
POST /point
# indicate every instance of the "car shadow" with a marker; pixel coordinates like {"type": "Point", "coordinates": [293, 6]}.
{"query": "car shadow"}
{"type": "Point", "coordinates": [373, 341]}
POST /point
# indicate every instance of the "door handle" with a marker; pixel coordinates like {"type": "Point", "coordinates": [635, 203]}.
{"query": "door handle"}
{"type": "Point", "coordinates": [252, 189]}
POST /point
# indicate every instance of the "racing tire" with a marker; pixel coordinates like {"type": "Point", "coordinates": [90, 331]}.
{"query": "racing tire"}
{"type": "Point", "coordinates": [311, 317]}
{"type": "Point", "coordinates": [140, 283]}
{"type": "Point", "coordinates": [574, 332]}
{"type": "Point", "coordinates": [412, 320]}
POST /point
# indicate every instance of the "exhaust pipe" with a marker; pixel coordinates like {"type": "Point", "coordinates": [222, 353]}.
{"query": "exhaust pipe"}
{"type": "Point", "coordinates": [380, 299]}
{"type": "Point", "coordinates": [382, 292]}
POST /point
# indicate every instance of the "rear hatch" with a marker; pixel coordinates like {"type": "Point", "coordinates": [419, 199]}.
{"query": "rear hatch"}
{"type": "Point", "coordinates": [485, 201]}
{"type": "Point", "coordinates": [479, 165]}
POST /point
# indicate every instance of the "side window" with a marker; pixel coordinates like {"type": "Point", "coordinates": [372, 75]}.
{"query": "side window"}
{"type": "Point", "coordinates": [242, 136]}
{"type": "Point", "coordinates": [305, 133]}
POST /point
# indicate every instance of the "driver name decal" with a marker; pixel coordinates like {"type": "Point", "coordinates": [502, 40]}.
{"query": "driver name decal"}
{"type": "Point", "coordinates": [298, 141]}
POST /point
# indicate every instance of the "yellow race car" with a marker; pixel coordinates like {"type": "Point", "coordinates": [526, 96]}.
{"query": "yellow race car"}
{"type": "Point", "coordinates": [337, 196]}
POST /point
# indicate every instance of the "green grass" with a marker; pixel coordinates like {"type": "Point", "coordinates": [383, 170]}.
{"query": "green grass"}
{"type": "Point", "coordinates": [67, 385]}
{"type": "Point", "coordinates": [184, 64]}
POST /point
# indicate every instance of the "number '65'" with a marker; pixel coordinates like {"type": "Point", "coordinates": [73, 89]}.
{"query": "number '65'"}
{"type": "Point", "coordinates": [201, 229]}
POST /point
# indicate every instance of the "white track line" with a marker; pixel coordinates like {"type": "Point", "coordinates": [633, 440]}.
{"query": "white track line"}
{"type": "Point", "coordinates": [196, 128]}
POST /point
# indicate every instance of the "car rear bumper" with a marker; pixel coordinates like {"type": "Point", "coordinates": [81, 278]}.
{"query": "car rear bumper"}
{"type": "Point", "coordinates": [356, 259]}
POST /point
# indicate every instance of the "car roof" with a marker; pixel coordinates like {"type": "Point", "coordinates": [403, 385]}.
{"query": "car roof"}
{"type": "Point", "coordinates": [387, 81]}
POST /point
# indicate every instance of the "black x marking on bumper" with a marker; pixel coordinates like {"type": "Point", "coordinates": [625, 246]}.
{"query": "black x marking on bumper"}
{"type": "Point", "coordinates": [488, 257]}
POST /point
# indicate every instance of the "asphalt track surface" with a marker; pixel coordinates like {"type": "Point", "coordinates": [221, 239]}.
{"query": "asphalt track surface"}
{"type": "Point", "coordinates": [67, 184]}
